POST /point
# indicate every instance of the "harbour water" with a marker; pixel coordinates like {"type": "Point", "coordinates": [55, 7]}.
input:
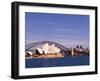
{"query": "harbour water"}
{"type": "Point", "coordinates": [57, 62]}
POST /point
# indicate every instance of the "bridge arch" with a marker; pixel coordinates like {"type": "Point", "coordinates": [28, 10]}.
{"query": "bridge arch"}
{"type": "Point", "coordinates": [29, 46]}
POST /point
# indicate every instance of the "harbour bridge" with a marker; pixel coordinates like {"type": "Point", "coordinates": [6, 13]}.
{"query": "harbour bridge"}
{"type": "Point", "coordinates": [33, 45]}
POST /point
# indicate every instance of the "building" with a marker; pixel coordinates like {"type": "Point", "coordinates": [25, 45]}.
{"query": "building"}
{"type": "Point", "coordinates": [47, 49]}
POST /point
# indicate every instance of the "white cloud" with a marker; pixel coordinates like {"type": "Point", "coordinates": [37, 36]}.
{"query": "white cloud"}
{"type": "Point", "coordinates": [66, 30]}
{"type": "Point", "coordinates": [66, 36]}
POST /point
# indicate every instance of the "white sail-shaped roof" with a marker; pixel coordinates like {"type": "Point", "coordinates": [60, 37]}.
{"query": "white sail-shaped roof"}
{"type": "Point", "coordinates": [40, 50]}
{"type": "Point", "coordinates": [50, 48]}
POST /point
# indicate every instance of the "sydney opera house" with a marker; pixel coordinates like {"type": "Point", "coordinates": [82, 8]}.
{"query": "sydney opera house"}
{"type": "Point", "coordinates": [45, 50]}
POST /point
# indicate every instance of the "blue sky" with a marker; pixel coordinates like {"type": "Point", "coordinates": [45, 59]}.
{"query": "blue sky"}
{"type": "Point", "coordinates": [66, 29]}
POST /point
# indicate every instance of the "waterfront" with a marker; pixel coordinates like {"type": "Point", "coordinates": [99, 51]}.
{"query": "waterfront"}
{"type": "Point", "coordinates": [51, 49]}
{"type": "Point", "coordinates": [57, 62]}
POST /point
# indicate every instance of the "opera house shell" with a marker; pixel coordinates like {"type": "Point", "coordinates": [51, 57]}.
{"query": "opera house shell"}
{"type": "Point", "coordinates": [48, 49]}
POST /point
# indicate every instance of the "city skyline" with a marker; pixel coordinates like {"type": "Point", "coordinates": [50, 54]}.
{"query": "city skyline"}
{"type": "Point", "coordinates": [66, 29]}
